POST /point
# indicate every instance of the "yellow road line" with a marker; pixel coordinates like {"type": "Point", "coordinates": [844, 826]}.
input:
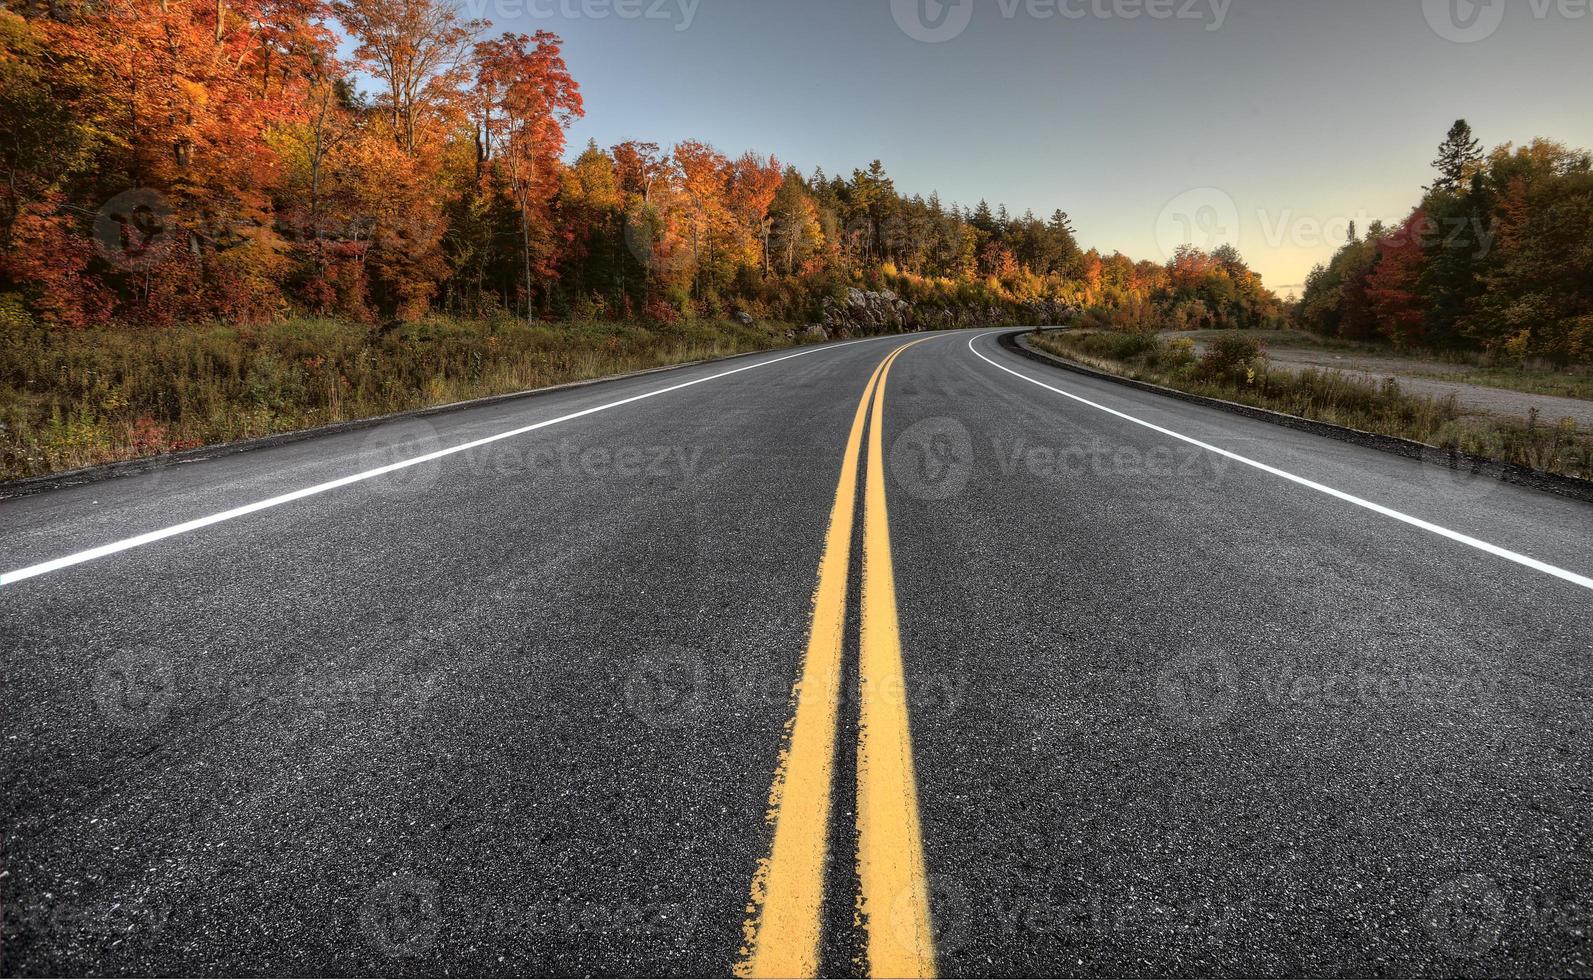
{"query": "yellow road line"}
{"type": "Point", "coordinates": [783, 918]}
{"type": "Point", "coordinates": [890, 852]}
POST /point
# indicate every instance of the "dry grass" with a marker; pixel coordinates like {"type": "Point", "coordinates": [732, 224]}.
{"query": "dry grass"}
{"type": "Point", "coordinates": [76, 399]}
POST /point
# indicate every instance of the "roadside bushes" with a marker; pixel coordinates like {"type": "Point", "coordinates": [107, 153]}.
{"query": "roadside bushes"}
{"type": "Point", "coordinates": [1115, 345]}
{"type": "Point", "coordinates": [1229, 359]}
{"type": "Point", "coordinates": [1235, 369]}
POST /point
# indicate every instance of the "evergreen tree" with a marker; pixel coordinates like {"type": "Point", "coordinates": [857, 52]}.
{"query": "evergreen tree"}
{"type": "Point", "coordinates": [1458, 154]}
{"type": "Point", "coordinates": [982, 218]}
{"type": "Point", "coordinates": [1452, 277]}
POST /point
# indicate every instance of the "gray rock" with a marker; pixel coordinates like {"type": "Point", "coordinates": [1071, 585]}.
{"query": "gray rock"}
{"type": "Point", "coordinates": [867, 312]}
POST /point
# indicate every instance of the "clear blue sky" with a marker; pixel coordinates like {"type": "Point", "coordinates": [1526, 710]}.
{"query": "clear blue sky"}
{"type": "Point", "coordinates": [1295, 110]}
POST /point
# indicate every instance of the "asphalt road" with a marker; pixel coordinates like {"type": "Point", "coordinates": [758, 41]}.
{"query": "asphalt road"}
{"type": "Point", "coordinates": [517, 709]}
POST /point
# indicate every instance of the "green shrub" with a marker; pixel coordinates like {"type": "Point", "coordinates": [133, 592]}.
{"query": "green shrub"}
{"type": "Point", "coordinates": [1225, 356]}
{"type": "Point", "coordinates": [1177, 352]}
{"type": "Point", "coordinates": [14, 313]}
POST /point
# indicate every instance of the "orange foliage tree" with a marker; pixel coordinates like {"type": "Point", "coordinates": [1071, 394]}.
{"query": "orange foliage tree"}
{"type": "Point", "coordinates": [528, 99]}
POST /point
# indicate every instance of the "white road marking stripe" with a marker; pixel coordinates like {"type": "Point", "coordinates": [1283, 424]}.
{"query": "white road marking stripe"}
{"type": "Point", "coordinates": [10, 578]}
{"type": "Point", "coordinates": [1492, 549]}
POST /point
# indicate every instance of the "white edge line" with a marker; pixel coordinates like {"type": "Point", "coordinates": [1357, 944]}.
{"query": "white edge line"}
{"type": "Point", "coordinates": [78, 558]}
{"type": "Point", "coordinates": [1492, 549]}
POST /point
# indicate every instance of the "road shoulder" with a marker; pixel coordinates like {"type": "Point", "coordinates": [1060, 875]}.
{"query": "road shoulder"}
{"type": "Point", "coordinates": [1471, 464]}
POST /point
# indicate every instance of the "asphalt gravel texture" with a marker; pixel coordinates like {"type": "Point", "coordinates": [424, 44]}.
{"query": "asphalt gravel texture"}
{"type": "Point", "coordinates": [516, 711]}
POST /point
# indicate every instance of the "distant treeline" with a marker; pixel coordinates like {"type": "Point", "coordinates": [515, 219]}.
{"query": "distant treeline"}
{"type": "Point", "coordinates": [1498, 257]}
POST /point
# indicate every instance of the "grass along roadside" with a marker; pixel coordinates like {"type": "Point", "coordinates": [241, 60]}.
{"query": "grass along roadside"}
{"type": "Point", "coordinates": [1460, 367]}
{"type": "Point", "coordinates": [1234, 368]}
{"type": "Point", "coordinates": [80, 398]}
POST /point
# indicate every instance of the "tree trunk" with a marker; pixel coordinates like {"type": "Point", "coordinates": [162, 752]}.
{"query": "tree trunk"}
{"type": "Point", "coordinates": [525, 252]}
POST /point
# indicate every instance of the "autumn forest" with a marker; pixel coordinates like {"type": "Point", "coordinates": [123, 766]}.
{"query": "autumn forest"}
{"type": "Point", "coordinates": [173, 161]}
{"type": "Point", "coordinates": [224, 218]}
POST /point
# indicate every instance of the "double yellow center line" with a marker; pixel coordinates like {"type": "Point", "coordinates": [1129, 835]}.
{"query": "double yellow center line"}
{"type": "Point", "coordinates": [783, 928]}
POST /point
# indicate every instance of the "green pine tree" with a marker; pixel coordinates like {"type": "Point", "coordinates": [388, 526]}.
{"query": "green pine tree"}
{"type": "Point", "coordinates": [1458, 155]}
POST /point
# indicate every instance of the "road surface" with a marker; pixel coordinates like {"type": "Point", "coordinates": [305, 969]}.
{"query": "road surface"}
{"type": "Point", "coordinates": [1006, 671]}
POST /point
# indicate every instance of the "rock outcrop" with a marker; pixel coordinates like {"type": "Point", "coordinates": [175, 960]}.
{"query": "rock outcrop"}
{"type": "Point", "coordinates": [865, 312]}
